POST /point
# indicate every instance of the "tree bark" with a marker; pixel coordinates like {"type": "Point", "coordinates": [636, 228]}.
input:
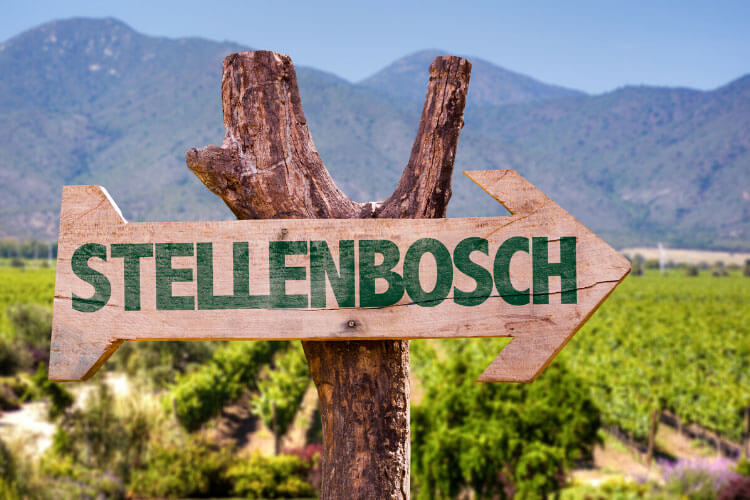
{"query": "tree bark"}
{"type": "Point", "coordinates": [268, 167]}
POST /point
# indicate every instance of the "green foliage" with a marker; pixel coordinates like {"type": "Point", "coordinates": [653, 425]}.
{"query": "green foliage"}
{"type": "Point", "coordinates": [281, 476]}
{"type": "Point", "coordinates": [743, 467]}
{"type": "Point", "coordinates": [719, 270]}
{"type": "Point", "coordinates": [32, 324]}
{"type": "Point", "coordinates": [73, 480]}
{"type": "Point", "coordinates": [498, 439]}
{"type": "Point", "coordinates": [7, 463]}
{"type": "Point", "coordinates": [160, 363]}
{"type": "Point", "coordinates": [668, 343]}
{"type": "Point", "coordinates": [196, 468]}
{"type": "Point", "coordinates": [613, 489]}
{"type": "Point", "coordinates": [280, 393]}
{"type": "Point", "coordinates": [10, 360]}
{"type": "Point", "coordinates": [200, 395]}
{"type": "Point", "coordinates": [31, 249]}
{"type": "Point", "coordinates": [104, 436]}
{"type": "Point", "coordinates": [8, 400]}
{"type": "Point", "coordinates": [33, 286]}
{"type": "Point", "coordinates": [19, 477]}
{"type": "Point", "coordinates": [60, 398]}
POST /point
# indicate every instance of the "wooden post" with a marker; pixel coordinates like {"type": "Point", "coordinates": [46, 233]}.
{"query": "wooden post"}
{"type": "Point", "coordinates": [268, 167]}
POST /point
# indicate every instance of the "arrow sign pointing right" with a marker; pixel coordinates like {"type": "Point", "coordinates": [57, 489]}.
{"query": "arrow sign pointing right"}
{"type": "Point", "coordinates": [535, 276]}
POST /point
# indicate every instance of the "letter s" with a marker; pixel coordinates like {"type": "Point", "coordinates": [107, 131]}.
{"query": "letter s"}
{"type": "Point", "coordinates": [102, 287]}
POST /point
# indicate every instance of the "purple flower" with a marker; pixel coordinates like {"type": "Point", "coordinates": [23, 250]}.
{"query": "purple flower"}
{"type": "Point", "coordinates": [699, 477]}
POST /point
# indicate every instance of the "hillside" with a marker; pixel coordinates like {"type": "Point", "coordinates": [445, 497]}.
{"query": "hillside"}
{"type": "Point", "coordinates": [92, 101]}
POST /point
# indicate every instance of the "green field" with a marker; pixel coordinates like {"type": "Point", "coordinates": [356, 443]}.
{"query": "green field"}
{"type": "Point", "coordinates": [660, 343]}
{"type": "Point", "coordinates": [24, 286]}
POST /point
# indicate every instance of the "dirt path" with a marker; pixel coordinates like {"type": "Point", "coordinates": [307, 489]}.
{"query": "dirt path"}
{"type": "Point", "coordinates": [28, 426]}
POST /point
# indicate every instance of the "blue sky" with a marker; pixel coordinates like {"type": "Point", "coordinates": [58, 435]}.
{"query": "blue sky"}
{"type": "Point", "coordinates": [592, 46]}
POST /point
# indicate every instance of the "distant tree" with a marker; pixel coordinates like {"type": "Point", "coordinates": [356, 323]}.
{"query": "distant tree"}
{"type": "Point", "coordinates": [636, 265]}
{"type": "Point", "coordinates": [652, 264]}
{"type": "Point", "coordinates": [746, 270]}
{"type": "Point", "coordinates": [691, 270]}
{"type": "Point", "coordinates": [280, 394]}
{"type": "Point", "coordinates": [719, 270]}
{"type": "Point", "coordinates": [201, 394]}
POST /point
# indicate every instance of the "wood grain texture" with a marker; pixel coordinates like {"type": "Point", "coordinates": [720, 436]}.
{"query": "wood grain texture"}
{"type": "Point", "coordinates": [539, 330]}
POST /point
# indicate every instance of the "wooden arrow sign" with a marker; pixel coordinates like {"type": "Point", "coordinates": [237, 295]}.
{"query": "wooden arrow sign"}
{"type": "Point", "coordinates": [535, 276]}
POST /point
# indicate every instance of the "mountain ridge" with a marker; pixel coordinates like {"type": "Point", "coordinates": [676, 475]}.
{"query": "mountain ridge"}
{"type": "Point", "coordinates": [93, 101]}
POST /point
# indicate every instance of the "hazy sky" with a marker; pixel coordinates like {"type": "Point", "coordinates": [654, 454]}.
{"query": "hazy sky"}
{"type": "Point", "coordinates": [593, 46]}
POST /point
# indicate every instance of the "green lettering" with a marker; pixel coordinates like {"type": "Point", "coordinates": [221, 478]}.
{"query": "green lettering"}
{"type": "Point", "coordinates": [166, 275]}
{"type": "Point", "coordinates": [322, 265]}
{"type": "Point", "coordinates": [502, 270]}
{"type": "Point", "coordinates": [241, 299]}
{"type": "Point", "coordinates": [132, 253]}
{"type": "Point", "coordinates": [369, 272]}
{"type": "Point", "coordinates": [279, 273]}
{"type": "Point", "coordinates": [543, 269]}
{"type": "Point", "coordinates": [482, 277]}
{"type": "Point", "coordinates": [444, 272]}
{"type": "Point", "coordinates": [102, 288]}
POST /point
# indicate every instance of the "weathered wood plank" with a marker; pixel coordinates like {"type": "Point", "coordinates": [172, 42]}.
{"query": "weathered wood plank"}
{"type": "Point", "coordinates": [540, 330]}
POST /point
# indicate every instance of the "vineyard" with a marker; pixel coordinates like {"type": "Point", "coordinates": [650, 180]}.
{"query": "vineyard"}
{"type": "Point", "coordinates": [672, 343]}
{"type": "Point", "coordinates": [24, 286]}
{"type": "Point", "coordinates": [664, 348]}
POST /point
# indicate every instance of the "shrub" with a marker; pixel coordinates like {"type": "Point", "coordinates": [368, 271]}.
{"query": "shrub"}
{"type": "Point", "coordinates": [719, 270]}
{"type": "Point", "coordinates": [8, 400]}
{"type": "Point", "coordinates": [32, 326]}
{"type": "Point", "coordinates": [160, 362]}
{"type": "Point", "coordinates": [200, 395]}
{"type": "Point", "coordinates": [736, 489]}
{"type": "Point", "coordinates": [195, 469]}
{"type": "Point", "coordinates": [651, 264]}
{"type": "Point", "coordinates": [698, 479]}
{"type": "Point", "coordinates": [60, 399]}
{"type": "Point", "coordinates": [500, 440]}
{"type": "Point", "coordinates": [281, 476]}
{"type": "Point", "coordinates": [7, 463]}
{"type": "Point", "coordinates": [107, 437]}
{"type": "Point", "coordinates": [10, 362]}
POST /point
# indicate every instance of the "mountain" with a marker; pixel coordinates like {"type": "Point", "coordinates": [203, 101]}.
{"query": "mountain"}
{"type": "Point", "coordinates": [90, 101]}
{"type": "Point", "coordinates": [490, 85]}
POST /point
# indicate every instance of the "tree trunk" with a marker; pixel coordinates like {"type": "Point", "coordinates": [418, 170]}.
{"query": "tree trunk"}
{"type": "Point", "coordinates": [268, 167]}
